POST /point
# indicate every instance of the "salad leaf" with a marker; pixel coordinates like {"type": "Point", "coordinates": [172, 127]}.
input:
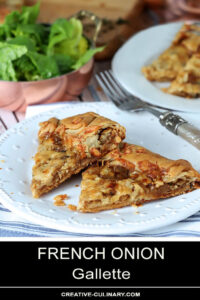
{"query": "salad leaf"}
{"type": "Point", "coordinates": [35, 66]}
{"type": "Point", "coordinates": [86, 57]}
{"type": "Point", "coordinates": [35, 32]}
{"type": "Point", "coordinates": [9, 53]}
{"type": "Point", "coordinates": [45, 65]}
{"type": "Point", "coordinates": [64, 62]}
{"type": "Point", "coordinates": [25, 70]}
{"type": "Point", "coordinates": [29, 14]}
{"type": "Point", "coordinates": [10, 23]}
{"type": "Point", "coordinates": [23, 41]}
{"type": "Point", "coordinates": [7, 71]}
{"type": "Point", "coordinates": [65, 36]}
{"type": "Point", "coordinates": [2, 33]}
{"type": "Point", "coordinates": [82, 46]}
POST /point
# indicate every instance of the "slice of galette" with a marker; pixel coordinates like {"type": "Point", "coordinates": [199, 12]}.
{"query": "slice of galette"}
{"type": "Point", "coordinates": [167, 65]}
{"type": "Point", "coordinates": [187, 82]}
{"type": "Point", "coordinates": [67, 146]}
{"type": "Point", "coordinates": [188, 36]}
{"type": "Point", "coordinates": [134, 175]}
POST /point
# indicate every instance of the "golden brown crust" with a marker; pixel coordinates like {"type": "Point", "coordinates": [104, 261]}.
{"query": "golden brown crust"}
{"type": "Point", "coordinates": [134, 175]}
{"type": "Point", "coordinates": [145, 160]}
{"type": "Point", "coordinates": [187, 37]}
{"type": "Point", "coordinates": [187, 82]}
{"type": "Point", "coordinates": [67, 146]}
{"type": "Point", "coordinates": [179, 64]}
{"type": "Point", "coordinates": [167, 65]}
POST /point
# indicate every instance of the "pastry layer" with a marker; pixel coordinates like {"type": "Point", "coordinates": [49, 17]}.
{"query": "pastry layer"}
{"type": "Point", "coordinates": [167, 65]}
{"type": "Point", "coordinates": [188, 36]}
{"type": "Point", "coordinates": [187, 82]}
{"type": "Point", "coordinates": [134, 175]}
{"type": "Point", "coordinates": [171, 63]}
{"type": "Point", "coordinates": [67, 146]}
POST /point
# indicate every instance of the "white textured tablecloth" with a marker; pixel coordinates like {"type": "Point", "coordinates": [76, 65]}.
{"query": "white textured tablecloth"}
{"type": "Point", "coordinates": [13, 226]}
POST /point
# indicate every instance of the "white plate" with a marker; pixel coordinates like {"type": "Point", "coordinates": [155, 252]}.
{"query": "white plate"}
{"type": "Point", "coordinates": [18, 145]}
{"type": "Point", "coordinates": [141, 50]}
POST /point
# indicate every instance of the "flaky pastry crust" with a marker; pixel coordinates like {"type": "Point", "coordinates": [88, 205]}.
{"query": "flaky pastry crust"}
{"type": "Point", "coordinates": [179, 64]}
{"type": "Point", "coordinates": [67, 146]}
{"type": "Point", "coordinates": [134, 175]}
{"type": "Point", "coordinates": [187, 82]}
{"type": "Point", "coordinates": [167, 65]}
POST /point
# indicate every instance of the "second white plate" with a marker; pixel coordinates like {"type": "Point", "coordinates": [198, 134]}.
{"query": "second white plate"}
{"type": "Point", "coordinates": [141, 50]}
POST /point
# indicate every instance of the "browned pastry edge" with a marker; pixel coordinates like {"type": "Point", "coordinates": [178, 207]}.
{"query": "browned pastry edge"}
{"type": "Point", "coordinates": [125, 203]}
{"type": "Point", "coordinates": [71, 137]}
{"type": "Point", "coordinates": [133, 157]}
{"type": "Point", "coordinates": [38, 193]}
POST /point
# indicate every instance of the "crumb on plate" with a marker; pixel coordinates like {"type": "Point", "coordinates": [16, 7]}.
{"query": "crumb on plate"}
{"type": "Point", "coordinates": [59, 200]}
{"type": "Point", "coordinates": [72, 207]}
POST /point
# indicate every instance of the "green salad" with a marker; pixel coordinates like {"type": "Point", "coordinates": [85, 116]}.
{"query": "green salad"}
{"type": "Point", "coordinates": [32, 51]}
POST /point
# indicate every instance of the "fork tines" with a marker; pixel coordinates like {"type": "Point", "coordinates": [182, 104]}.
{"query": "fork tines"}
{"type": "Point", "coordinates": [111, 87]}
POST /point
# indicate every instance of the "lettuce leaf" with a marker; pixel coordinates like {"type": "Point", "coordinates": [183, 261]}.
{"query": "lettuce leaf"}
{"type": "Point", "coordinates": [46, 66]}
{"type": "Point", "coordinates": [64, 62]}
{"type": "Point", "coordinates": [36, 32]}
{"type": "Point", "coordinates": [10, 23]}
{"type": "Point", "coordinates": [2, 33]}
{"type": "Point", "coordinates": [25, 70]}
{"type": "Point", "coordinates": [65, 36]}
{"type": "Point", "coordinates": [86, 57]}
{"type": "Point", "coordinates": [29, 14]}
{"type": "Point", "coordinates": [9, 53]}
{"type": "Point", "coordinates": [23, 41]}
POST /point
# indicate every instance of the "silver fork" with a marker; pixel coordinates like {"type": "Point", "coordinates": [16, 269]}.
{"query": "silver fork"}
{"type": "Point", "coordinates": [126, 101]}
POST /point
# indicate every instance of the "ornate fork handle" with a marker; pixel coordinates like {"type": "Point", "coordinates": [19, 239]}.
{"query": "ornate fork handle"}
{"type": "Point", "coordinates": [181, 127]}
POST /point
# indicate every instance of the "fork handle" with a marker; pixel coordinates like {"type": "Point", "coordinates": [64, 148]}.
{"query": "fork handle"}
{"type": "Point", "coordinates": [181, 127]}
